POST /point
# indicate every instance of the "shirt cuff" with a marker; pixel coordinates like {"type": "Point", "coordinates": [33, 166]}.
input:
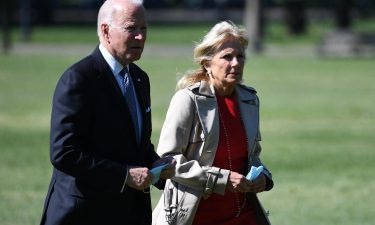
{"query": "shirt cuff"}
{"type": "Point", "coordinates": [126, 178]}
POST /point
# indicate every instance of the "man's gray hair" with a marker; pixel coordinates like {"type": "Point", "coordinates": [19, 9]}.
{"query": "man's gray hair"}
{"type": "Point", "coordinates": [108, 10]}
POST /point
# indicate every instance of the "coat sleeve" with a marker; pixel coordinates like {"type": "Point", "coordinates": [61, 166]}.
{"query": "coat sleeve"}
{"type": "Point", "coordinates": [179, 136]}
{"type": "Point", "coordinates": [257, 162]}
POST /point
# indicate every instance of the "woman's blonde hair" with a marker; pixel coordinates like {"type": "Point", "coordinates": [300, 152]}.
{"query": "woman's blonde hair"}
{"type": "Point", "coordinates": [208, 47]}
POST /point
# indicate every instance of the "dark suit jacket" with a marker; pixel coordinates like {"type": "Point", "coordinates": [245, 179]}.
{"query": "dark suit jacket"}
{"type": "Point", "coordinates": [92, 142]}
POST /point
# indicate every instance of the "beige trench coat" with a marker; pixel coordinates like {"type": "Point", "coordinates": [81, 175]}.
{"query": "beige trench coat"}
{"type": "Point", "coordinates": [190, 134]}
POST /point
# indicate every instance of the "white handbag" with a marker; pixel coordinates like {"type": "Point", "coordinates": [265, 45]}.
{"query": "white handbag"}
{"type": "Point", "coordinates": [177, 205]}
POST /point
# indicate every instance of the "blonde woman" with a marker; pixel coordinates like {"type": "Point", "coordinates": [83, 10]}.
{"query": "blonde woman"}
{"type": "Point", "coordinates": [212, 130]}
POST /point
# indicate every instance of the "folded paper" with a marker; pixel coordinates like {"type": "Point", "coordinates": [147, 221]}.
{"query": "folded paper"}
{"type": "Point", "coordinates": [156, 171]}
{"type": "Point", "coordinates": [254, 172]}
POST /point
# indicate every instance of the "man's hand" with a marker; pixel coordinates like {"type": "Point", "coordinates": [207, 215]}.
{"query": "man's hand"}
{"type": "Point", "coordinates": [139, 178]}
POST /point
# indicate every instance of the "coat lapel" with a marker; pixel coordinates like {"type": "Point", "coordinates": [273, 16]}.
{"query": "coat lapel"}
{"type": "Point", "coordinates": [207, 108]}
{"type": "Point", "coordinates": [208, 115]}
{"type": "Point", "coordinates": [249, 110]}
{"type": "Point", "coordinates": [206, 104]}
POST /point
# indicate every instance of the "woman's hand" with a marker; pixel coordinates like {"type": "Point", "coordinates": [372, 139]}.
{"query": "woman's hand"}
{"type": "Point", "coordinates": [238, 183]}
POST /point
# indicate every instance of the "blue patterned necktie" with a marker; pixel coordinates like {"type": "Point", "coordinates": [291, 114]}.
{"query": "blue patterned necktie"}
{"type": "Point", "coordinates": [129, 94]}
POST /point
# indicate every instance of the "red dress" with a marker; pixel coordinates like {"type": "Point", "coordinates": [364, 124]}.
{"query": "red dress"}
{"type": "Point", "coordinates": [222, 209]}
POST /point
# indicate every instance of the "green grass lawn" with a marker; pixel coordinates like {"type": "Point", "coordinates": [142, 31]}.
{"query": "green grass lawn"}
{"type": "Point", "coordinates": [317, 120]}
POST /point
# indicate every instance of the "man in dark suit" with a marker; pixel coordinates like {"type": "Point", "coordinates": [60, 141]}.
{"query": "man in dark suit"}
{"type": "Point", "coordinates": [100, 140]}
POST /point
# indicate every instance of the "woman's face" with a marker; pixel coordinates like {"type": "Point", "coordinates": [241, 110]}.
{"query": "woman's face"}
{"type": "Point", "coordinates": [226, 67]}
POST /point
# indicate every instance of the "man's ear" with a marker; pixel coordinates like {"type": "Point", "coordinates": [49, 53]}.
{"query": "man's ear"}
{"type": "Point", "coordinates": [104, 29]}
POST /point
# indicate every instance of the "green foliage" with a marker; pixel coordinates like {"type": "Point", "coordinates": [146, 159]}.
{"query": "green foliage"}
{"type": "Point", "coordinates": [188, 34]}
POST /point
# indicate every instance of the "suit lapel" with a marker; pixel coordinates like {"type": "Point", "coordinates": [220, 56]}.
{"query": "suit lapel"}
{"type": "Point", "coordinates": [108, 77]}
{"type": "Point", "coordinates": [138, 83]}
{"type": "Point", "coordinates": [106, 73]}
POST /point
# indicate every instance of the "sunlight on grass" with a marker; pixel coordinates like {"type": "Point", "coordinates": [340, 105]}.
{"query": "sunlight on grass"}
{"type": "Point", "coordinates": [30, 121]}
{"type": "Point", "coordinates": [311, 199]}
{"type": "Point", "coordinates": [317, 124]}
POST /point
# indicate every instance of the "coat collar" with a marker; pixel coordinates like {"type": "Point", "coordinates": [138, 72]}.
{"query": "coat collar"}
{"type": "Point", "coordinates": [202, 88]}
{"type": "Point", "coordinates": [244, 93]}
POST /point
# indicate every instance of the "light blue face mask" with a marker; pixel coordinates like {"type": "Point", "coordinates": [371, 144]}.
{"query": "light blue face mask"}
{"type": "Point", "coordinates": [254, 172]}
{"type": "Point", "coordinates": [156, 171]}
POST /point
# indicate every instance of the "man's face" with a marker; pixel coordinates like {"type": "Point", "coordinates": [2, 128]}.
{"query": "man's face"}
{"type": "Point", "coordinates": [127, 34]}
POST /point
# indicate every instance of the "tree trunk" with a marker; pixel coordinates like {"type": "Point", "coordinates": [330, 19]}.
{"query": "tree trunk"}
{"type": "Point", "coordinates": [295, 16]}
{"type": "Point", "coordinates": [255, 24]}
{"type": "Point", "coordinates": [5, 25]}
{"type": "Point", "coordinates": [25, 20]}
{"type": "Point", "coordinates": [342, 13]}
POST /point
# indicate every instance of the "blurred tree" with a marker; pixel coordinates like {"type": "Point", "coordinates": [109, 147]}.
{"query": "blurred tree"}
{"type": "Point", "coordinates": [295, 16]}
{"type": "Point", "coordinates": [44, 11]}
{"type": "Point", "coordinates": [342, 13]}
{"type": "Point", "coordinates": [25, 19]}
{"type": "Point", "coordinates": [366, 8]}
{"type": "Point", "coordinates": [221, 9]}
{"type": "Point", "coordinates": [154, 4]}
{"type": "Point", "coordinates": [6, 12]}
{"type": "Point", "coordinates": [255, 22]}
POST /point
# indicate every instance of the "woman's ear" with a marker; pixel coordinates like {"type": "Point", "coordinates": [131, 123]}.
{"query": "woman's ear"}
{"type": "Point", "coordinates": [207, 66]}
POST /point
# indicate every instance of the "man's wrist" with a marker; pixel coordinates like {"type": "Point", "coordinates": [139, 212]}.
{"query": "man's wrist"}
{"type": "Point", "coordinates": [126, 178]}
